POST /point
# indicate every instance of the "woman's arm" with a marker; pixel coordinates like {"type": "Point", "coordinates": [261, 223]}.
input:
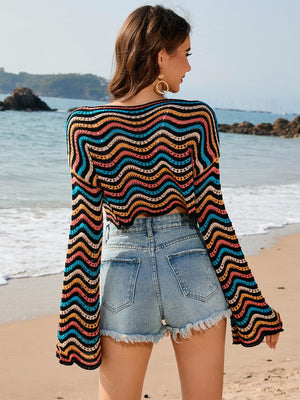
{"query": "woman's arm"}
{"type": "Point", "coordinates": [252, 318]}
{"type": "Point", "coordinates": [78, 334]}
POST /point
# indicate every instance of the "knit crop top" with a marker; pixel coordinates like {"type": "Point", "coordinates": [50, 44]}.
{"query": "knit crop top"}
{"type": "Point", "coordinates": [149, 159]}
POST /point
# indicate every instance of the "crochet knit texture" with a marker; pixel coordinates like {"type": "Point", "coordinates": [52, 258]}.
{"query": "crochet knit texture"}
{"type": "Point", "coordinates": [148, 158]}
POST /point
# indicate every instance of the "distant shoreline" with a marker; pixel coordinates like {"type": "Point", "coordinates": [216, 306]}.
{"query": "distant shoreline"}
{"type": "Point", "coordinates": [215, 108]}
{"type": "Point", "coordinates": [255, 111]}
{"type": "Point", "coordinates": [71, 85]}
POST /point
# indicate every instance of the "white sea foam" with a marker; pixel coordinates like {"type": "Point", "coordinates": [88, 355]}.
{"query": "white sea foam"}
{"type": "Point", "coordinates": [254, 209]}
{"type": "Point", "coordinates": [33, 242]}
{"type": "Point", "coordinates": [3, 280]}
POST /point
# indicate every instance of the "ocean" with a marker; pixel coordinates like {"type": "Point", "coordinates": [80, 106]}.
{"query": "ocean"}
{"type": "Point", "coordinates": [260, 177]}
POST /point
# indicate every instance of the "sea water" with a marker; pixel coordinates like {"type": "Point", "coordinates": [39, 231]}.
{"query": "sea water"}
{"type": "Point", "coordinates": [260, 177]}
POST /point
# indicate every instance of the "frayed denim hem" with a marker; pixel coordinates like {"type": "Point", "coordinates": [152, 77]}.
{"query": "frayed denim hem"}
{"type": "Point", "coordinates": [204, 324]}
{"type": "Point", "coordinates": [132, 338]}
{"type": "Point", "coordinates": [184, 333]}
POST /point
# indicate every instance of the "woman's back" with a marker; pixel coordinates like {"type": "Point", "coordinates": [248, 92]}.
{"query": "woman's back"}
{"type": "Point", "coordinates": [143, 158]}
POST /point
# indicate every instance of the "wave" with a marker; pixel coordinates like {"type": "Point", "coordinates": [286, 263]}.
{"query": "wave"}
{"type": "Point", "coordinates": [33, 241]}
{"type": "Point", "coordinates": [255, 209]}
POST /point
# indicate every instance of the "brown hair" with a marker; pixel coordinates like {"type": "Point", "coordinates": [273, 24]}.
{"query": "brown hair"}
{"type": "Point", "coordinates": [146, 31]}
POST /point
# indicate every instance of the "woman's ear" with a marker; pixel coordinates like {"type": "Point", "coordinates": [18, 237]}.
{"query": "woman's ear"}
{"type": "Point", "coordinates": [161, 58]}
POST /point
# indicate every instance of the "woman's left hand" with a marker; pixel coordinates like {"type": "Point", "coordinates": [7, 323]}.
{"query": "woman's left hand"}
{"type": "Point", "coordinates": [272, 340]}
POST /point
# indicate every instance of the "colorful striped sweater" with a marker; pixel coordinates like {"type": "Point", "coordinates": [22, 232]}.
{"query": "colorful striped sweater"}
{"type": "Point", "coordinates": [148, 158]}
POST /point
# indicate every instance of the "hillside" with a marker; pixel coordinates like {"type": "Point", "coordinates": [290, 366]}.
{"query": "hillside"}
{"type": "Point", "coordinates": [75, 86]}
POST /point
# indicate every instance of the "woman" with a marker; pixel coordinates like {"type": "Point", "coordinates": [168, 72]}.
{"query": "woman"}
{"type": "Point", "coordinates": [171, 263]}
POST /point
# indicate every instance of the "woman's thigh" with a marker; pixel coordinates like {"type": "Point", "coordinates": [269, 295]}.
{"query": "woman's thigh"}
{"type": "Point", "coordinates": [200, 361]}
{"type": "Point", "coordinates": [123, 369]}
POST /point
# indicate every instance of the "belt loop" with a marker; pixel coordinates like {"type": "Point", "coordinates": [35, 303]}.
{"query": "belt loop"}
{"type": "Point", "coordinates": [149, 226]}
{"type": "Point", "coordinates": [107, 232]}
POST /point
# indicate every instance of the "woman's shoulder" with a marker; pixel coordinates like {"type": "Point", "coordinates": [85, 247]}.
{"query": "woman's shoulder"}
{"type": "Point", "coordinates": [193, 104]}
{"type": "Point", "coordinates": [83, 115]}
{"type": "Point", "coordinates": [197, 106]}
{"type": "Point", "coordinates": [84, 111]}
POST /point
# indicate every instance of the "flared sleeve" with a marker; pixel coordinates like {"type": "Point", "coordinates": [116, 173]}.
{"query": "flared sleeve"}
{"type": "Point", "coordinates": [252, 318]}
{"type": "Point", "coordinates": [78, 338]}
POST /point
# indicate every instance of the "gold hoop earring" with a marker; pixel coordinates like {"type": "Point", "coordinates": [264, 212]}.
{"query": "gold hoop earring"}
{"type": "Point", "coordinates": [165, 87]}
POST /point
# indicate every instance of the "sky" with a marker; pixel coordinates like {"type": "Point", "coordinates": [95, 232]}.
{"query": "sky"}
{"type": "Point", "coordinates": [245, 53]}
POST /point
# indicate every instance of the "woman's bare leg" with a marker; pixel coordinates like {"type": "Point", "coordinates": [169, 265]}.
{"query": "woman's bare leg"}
{"type": "Point", "coordinates": [200, 361]}
{"type": "Point", "coordinates": [123, 369]}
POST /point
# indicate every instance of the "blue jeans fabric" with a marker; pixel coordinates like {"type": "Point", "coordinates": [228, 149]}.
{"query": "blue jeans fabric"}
{"type": "Point", "coordinates": [157, 279]}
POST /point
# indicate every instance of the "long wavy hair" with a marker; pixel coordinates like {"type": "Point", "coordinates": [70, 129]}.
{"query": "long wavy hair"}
{"type": "Point", "coordinates": [146, 31]}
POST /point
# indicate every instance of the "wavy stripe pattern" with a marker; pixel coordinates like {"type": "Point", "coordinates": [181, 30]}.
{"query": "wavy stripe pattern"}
{"type": "Point", "coordinates": [149, 158]}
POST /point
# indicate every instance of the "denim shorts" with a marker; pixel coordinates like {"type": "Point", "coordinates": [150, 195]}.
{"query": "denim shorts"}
{"type": "Point", "coordinates": [156, 279]}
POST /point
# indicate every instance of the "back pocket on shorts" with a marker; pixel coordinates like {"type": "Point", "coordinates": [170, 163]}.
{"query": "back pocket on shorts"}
{"type": "Point", "coordinates": [117, 282]}
{"type": "Point", "coordinates": [194, 273]}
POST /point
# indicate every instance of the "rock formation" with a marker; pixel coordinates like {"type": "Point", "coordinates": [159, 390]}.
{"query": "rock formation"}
{"type": "Point", "coordinates": [281, 128]}
{"type": "Point", "coordinates": [23, 99]}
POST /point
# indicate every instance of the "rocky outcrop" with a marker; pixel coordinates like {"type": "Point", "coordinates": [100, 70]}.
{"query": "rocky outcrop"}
{"type": "Point", "coordinates": [23, 99]}
{"type": "Point", "coordinates": [281, 128]}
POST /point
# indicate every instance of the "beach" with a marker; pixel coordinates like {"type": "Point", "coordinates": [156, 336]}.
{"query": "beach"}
{"type": "Point", "coordinates": [29, 317]}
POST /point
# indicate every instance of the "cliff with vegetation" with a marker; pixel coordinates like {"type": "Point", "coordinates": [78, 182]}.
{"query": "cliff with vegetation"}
{"type": "Point", "coordinates": [74, 86]}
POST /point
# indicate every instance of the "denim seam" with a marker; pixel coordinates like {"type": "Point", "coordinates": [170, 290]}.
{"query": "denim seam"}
{"type": "Point", "coordinates": [125, 246]}
{"type": "Point", "coordinates": [158, 247]}
{"type": "Point", "coordinates": [118, 231]}
{"type": "Point", "coordinates": [155, 280]}
{"type": "Point", "coordinates": [178, 240]}
{"type": "Point", "coordinates": [174, 225]}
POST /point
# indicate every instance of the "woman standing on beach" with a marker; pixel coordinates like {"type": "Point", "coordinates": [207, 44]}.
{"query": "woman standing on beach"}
{"type": "Point", "coordinates": [171, 262]}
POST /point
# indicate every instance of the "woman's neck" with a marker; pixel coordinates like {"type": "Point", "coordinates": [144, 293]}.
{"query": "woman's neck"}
{"type": "Point", "coordinates": [144, 96]}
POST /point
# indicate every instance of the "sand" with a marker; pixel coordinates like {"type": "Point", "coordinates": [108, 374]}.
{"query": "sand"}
{"type": "Point", "coordinates": [30, 370]}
